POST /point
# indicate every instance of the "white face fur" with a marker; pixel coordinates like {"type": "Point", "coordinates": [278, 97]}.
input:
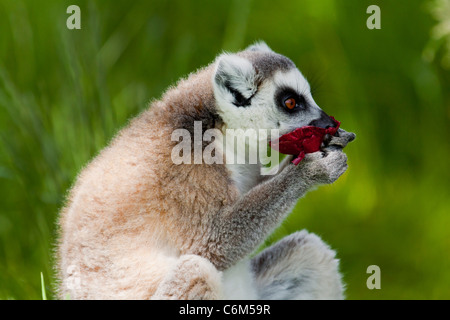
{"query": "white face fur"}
{"type": "Point", "coordinates": [247, 99]}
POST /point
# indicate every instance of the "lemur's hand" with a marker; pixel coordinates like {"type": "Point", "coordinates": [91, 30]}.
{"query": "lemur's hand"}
{"type": "Point", "coordinates": [323, 167]}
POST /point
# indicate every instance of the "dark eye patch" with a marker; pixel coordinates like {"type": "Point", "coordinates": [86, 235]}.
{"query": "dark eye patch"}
{"type": "Point", "coordinates": [285, 97]}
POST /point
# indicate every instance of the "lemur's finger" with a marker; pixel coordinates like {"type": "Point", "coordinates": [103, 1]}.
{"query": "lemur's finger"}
{"type": "Point", "coordinates": [341, 139]}
{"type": "Point", "coordinates": [349, 136]}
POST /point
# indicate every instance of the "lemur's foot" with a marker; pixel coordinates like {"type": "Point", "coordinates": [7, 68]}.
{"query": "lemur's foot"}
{"type": "Point", "coordinates": [192, 278]}
{"type": "Point", "coordinates": [299, 266]}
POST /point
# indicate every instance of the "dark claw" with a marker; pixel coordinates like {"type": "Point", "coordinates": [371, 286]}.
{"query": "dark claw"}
{"type": "Point", "coordinates": [327, 139]}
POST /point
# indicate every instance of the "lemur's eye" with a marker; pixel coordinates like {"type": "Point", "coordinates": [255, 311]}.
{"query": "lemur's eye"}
{"type": "Point", "coordinates": [290, 103]}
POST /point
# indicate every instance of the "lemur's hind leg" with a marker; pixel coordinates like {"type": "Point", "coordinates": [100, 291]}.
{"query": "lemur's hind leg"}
{"type": "Point", "coordinates": [191, 278]}
{"type": "Point", "coordinates": [300, 266]}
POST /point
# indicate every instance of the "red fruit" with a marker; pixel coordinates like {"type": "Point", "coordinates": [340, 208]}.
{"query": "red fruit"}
{"type": "Point", "coordinates": [303, 140]}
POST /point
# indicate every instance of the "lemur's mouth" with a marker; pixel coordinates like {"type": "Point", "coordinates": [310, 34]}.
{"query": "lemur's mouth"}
{"type": "Point", "coordinates": [305, 140]}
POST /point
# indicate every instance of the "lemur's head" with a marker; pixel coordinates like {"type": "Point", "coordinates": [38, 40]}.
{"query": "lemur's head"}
{"type": "Point", "coordinates": [260, 89]}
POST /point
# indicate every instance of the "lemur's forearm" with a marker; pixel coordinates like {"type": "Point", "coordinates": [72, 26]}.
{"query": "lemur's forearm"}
{"type": "Point", "coordinates": [242, 227]}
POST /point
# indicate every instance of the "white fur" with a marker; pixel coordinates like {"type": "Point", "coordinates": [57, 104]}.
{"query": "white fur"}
{"type": "Point", "coordinates": [241, 74]}
{"type": "Point", "coordinates": [295, 80]}
{"type": "Point", "coordinates": [245, 176]}
{"type": "Point", "coordinates": [238, 282]}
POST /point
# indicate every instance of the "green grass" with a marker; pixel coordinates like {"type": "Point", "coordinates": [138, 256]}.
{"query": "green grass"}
{"type": "Point", "coordinates": [44, 294]}
{"type": "Point", "coordinates": [65, 93]}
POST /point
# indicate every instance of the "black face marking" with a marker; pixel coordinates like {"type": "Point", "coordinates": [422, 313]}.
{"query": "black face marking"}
{"type": "Point", "coordinates": [239, 99]}
{"type": "Point", "coordinates": [284, 93]}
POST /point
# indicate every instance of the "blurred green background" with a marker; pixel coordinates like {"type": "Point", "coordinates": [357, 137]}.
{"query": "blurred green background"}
{"type": "Point", "coordinates": [65, 93]}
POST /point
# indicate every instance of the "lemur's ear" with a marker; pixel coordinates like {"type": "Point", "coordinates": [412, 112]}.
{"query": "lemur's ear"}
{"type": "Point", "coordinates": [235, 80]}
{"type": "Point", "coordinates": [259, 46]}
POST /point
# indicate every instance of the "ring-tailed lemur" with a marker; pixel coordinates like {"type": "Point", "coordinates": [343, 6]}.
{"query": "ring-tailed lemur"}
{"type": "Point", "coordinates": [138, 226]}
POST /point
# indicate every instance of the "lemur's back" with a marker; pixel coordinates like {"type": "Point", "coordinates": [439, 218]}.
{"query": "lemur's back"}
{"type": "Point", "coordinates": [132, 202]}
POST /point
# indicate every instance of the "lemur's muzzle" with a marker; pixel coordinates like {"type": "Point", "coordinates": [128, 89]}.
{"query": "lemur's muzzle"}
{"type": "Point", "coordinates": [340, 139]}
{"type": "Point", "coordinates": [324, 121]}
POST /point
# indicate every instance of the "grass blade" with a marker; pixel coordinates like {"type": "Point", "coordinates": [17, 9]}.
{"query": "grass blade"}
{"type": "Point", "coordinates": [44, 295]}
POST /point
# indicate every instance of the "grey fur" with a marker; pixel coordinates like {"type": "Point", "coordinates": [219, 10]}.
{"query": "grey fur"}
{"type": "Point", "coordinates": [267, 63]}
{"type": "Point", "coordinates": [310, 270]}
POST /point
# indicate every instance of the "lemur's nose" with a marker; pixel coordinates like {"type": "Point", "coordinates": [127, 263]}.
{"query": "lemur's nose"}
{"type": "Point", "coordinates": [324, 121]}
